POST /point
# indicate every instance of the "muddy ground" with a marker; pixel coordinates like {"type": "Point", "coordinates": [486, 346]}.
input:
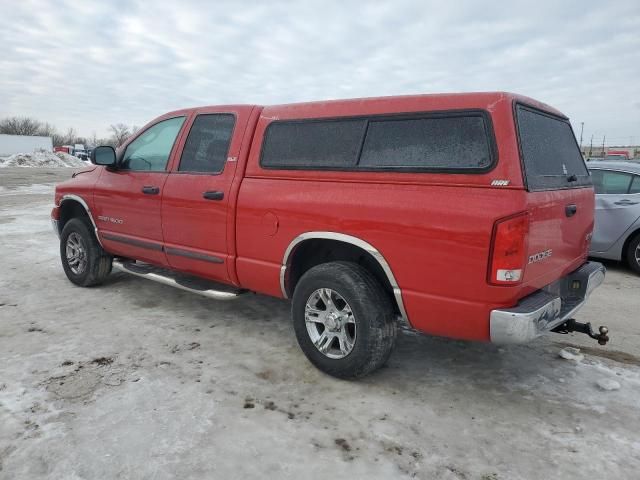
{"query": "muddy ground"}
{"type": "Point", "coordinates": [138, 380]}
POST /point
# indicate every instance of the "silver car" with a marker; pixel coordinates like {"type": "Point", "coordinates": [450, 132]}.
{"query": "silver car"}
{"type": "Point", "coordinates": [616, 235]}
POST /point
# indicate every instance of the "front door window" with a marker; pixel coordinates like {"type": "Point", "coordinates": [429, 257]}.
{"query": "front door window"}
{"type": "Point", "coordinates": [150, 151]}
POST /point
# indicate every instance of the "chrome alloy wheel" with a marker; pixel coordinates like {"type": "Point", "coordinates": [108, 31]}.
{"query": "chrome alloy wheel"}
{"type": "Point", "coordinates": [76, 253]}
{"type": "Point", "coordinates": [330, 323]}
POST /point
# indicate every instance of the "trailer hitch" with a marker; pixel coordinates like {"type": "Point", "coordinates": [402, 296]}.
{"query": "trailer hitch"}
{"type": "Point", "coordinates": [572, 325]}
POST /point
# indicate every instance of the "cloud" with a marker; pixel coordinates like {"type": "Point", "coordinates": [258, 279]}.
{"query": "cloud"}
{"type": "Point", "coordinates": [88, 65]}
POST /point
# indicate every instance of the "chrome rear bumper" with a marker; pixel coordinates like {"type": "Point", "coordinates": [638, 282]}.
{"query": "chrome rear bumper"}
{"type": "Point", "coordinates": [545, 309]}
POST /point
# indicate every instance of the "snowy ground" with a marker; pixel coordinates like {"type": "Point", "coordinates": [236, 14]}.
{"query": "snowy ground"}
{"type": "Point", "coordinates": [138, 380]}
{"type": "Point", "coordinates": [41, 160]}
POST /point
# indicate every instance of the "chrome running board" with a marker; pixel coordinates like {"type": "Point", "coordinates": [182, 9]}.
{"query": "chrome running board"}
{"type": "Point", "coordinates": [178, 280]}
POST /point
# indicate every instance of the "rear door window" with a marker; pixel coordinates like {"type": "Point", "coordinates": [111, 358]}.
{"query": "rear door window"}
{"type": "Point", "coordinates": [635, 184]}
{"type": "Point", "coordinates": [207, 145]}
{"type": "Point", "coordinates": [611, 183]}
{"type": "Point", "coordinates": [550, 153]}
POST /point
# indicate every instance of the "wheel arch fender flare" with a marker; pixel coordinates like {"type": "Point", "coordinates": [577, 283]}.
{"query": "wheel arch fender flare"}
{"type": "Point", "coordinates": [80, 201]}
{"type": "Point", "coordinates": [341, 237]}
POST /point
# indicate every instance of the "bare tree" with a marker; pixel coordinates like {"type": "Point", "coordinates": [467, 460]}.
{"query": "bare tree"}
{"type": "Point", "coordinates": [30, 126]}
{"type": "Point", "coordinates": [120, 133]}
{"type": "Point", "coordinates": [20, 126]}
{"type": "Point", "coordinates": [47, 130]}
{"type": "Point", "coordinates": [94, 141]}
{"type": "Point", "coordinates": [57, 139]}
{"type": "Point", "coordinates": [70, 137]}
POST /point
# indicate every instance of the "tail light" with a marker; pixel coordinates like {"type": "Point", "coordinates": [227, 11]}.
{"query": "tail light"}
{"type": "Point", "coordinates": [509, 250]}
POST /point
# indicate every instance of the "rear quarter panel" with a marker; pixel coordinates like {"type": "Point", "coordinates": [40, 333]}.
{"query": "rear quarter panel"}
{"type": "Point", "coordinates": [435, 238]}
{"type": "Point", "coordinates": [617, 250]}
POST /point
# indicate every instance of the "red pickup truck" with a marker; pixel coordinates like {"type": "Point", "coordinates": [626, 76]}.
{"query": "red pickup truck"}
{"type": "Point", "coordinates": [460, 215]}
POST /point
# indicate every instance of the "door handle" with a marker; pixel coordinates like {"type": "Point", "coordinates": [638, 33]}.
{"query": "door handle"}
{"type": "Point", "coordinates": [213, 195]}
{"type": "Point", "coordinates": [570, 210]}
{"type": "Point", "coordinates": [147, 190]}
{"type": "Point", "coordinates": [625, 202]}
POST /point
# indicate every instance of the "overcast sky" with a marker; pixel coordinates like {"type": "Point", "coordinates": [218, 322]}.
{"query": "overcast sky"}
{"type": "Point", "coordinates": [83, 65]}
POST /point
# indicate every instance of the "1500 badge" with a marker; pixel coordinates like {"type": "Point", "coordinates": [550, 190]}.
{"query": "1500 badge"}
{"type": "Point", "coordinates": [103, 218]}
{"type": "Point", "coordinates": [538, 257]}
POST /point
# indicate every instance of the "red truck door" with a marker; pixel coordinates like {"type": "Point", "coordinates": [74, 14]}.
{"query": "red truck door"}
{"type": "Point", "coordinates": [196, 207]}
{"type": "Point", "coordinates": [127, 199]}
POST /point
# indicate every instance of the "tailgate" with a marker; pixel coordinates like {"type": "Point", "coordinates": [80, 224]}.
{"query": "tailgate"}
{"type": "Point", "coordinates": [560, 196]}
{"type": "Point", "coordinates": [558, 238]}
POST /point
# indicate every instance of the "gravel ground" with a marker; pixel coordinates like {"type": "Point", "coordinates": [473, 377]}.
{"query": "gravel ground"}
{"type": "Point", "coordinates": [138, 380]}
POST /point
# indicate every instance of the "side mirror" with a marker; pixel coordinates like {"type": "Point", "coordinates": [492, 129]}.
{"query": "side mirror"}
{"type": "Point", "coordinates": [104, 155]}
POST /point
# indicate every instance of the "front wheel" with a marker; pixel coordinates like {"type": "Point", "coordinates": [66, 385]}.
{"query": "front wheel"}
{"type": "Point", "coordinates": [343, 319]}
{"type": "Point", "coordinates": [633, 253]}
{"type": "Point", "coordinates": [84, 261]}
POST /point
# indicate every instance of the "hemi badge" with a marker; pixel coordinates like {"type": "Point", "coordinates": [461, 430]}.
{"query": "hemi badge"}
{"type": "Point", "coordinates": [500, 183]}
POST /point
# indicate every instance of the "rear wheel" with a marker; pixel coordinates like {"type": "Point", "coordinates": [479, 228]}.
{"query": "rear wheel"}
{"type": "Point", "coordinates": [633, 253]}
{"type": "Point", "coordinates": [84, 261]}
{"type": "Point", "coordinates": [343, 319]}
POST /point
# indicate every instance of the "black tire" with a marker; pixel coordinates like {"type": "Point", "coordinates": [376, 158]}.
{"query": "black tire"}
{"type": "Point", "coordinates": [98, 262]}
{"type": "Point", "coordinates": [632, 248]}
{"type": "Point", "coordinates": [372, 310]}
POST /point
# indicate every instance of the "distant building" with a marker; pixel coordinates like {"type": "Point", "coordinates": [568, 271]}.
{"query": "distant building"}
{"type": "Point", "coordinates": [597, 151]}
{"type": "Point", "coordinates": [10, 144]}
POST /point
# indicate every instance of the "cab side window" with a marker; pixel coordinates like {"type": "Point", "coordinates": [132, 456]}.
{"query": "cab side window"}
{"type": "Point", "coordinates": [150, 151]}
{"type": "Point", "coordinates": [455, 143]}
{"type": "Point", "coordinates": [611, 183]}
{"type": "Point", "coordinates": [635, 184]}
{"type": "Point", "coordinates": [207, 145]}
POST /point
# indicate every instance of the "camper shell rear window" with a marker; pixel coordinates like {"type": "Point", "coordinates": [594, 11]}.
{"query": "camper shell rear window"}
{"type": "Point", "coordinates": [549, 151]}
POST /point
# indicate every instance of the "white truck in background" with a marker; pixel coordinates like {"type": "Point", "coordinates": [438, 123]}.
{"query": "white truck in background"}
{"type": "Point", "coordinates": [11, 144]}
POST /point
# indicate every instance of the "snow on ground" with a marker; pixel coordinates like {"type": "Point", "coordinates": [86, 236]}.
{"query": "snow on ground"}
{"type": "Point", "coordinates": [35, 189]}
{"type": "Point", "coordinates": [42, 159]}
{"type": "Point", "coordinates": [138, 380]}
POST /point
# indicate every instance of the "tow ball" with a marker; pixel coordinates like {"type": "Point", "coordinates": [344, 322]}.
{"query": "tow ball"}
{"type": "Point", "coordinates": [572, 325]}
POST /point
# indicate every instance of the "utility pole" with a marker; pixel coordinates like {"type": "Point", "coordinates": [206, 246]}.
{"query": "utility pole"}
{"type": "Point", "coordinates": [581, 130]}
{"type": "Point", "coordinates": [603, 138]}
{"type": "Point", "coordinates": [591, 146]}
